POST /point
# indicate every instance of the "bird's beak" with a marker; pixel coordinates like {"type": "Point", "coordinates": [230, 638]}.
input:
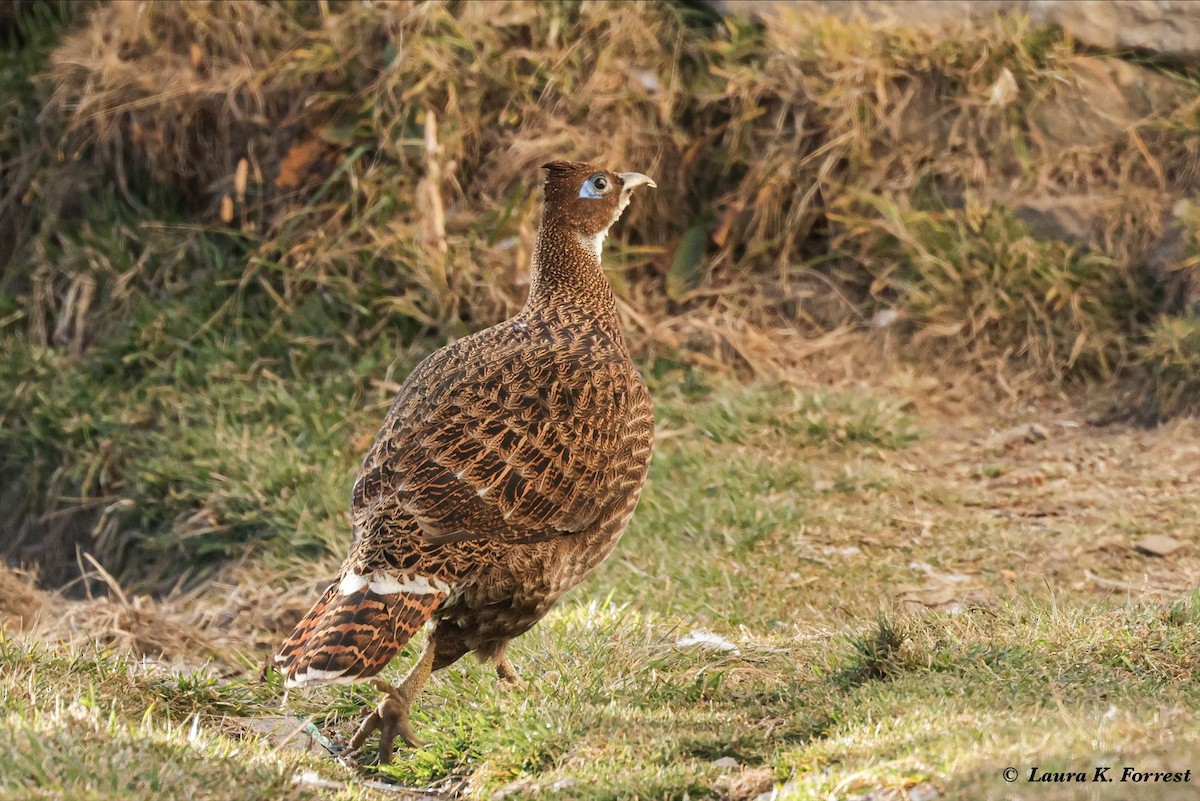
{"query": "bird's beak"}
{"type": "Point", "coordinates": [632, 180]}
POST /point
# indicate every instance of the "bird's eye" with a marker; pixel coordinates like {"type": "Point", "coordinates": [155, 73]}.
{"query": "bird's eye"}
{"type": "Point", "coordinates": [596, 186]}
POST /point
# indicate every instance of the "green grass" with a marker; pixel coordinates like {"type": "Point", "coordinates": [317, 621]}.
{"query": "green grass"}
{"type": "Point", "coordinates": [197, 454]}
{"type": "Point", "coordinates": [92, 726]}
{"type": "Point", "coordinates": [974, 281]}
{"type": "Point", "coordinates": [1172, 356]}
{"type": "Point", "coordinates": [614, 710]}
{"type": "Point", "coordinates": [909, 607]}
{"type": "Point", "coordinates": [791, 523]}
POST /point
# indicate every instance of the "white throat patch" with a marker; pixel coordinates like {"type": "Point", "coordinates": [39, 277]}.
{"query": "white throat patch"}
{"type": "Point", "coordinates": [594, 244]}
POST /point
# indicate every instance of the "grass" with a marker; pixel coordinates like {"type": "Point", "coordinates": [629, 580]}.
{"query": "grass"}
{"type": "Point", "coordinates": [204, 316]}
{"type": "Point", "coordinates": [911, 608]}
{"type": "Point", "coordinates": [1172, 352]}
{"type": "Point", "coordinates": [90, 725]}
{"type": "Point", "coordinates": [203, 427]}
{"type": "Point", "coordinates": [775, 152]}
{"type": "Point", "coordinates": [974, 279]}
{"type": "Point", "coordinates": [197, 266]}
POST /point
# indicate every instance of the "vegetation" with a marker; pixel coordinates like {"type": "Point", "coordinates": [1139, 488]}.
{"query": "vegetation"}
{"type": "Point", "coordinates": [230, 229]}
{"type": "Point", "coordinates": [796, 605]}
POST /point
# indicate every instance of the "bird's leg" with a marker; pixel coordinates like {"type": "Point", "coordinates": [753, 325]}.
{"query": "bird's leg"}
{"type": "Point", "coordinates": [505, 671]}
{"type": "Point", "coordinates": [391, 716]}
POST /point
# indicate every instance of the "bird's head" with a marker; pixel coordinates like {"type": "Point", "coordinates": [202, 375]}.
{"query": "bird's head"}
{"type": "Point", "coordinates": [585, 199]}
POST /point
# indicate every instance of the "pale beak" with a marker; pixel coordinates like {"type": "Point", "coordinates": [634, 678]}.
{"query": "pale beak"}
{"type": "Point", "coordinates": [633, 180]}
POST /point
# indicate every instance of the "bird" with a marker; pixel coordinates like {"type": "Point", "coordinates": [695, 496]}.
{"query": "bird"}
{"type": "Point", "coordinates": [506, 470]}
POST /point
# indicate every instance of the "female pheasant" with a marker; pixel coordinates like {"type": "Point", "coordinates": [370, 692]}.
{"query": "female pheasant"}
{"type": "Point", "coordinates": [507, 469]}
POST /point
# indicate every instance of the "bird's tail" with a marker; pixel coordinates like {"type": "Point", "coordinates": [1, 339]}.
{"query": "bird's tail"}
{"type": "Point", "coordinates": [356, 628]}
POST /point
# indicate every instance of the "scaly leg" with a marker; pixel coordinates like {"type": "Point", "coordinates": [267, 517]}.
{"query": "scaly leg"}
{"type": "Point", "coordinates": [505, 671]}
{"type": "Point", "coordinates": [391, 716]}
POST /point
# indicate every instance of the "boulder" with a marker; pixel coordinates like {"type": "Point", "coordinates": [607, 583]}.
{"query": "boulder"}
{"type": "Point", "coordinates": [1169, 29]}
{"type": "Point", "coordinates": [1107, 97]}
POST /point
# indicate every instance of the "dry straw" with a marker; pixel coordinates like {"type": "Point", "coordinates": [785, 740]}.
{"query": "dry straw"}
{"type": "Point", "coordinates": [810, 174]}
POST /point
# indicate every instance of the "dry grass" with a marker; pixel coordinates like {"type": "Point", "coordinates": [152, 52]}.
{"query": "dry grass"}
{"type": "Point", "coordinates": [975, 283]}
{"type": "Point", "coordinates": [20, 601]}
{"type": "Point", "coordinates": [306, 131]}
{"type": "Point", "coordinates": [1172, 353]}
{"type": "Point", "coordinates": [262, 214]}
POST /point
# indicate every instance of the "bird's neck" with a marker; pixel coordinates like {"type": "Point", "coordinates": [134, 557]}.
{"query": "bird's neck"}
{"type": "Point", "coordinates": [567, 274]}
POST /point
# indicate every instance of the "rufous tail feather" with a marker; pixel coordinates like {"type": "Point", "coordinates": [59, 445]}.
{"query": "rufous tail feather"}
{"type": "Point", "coordinates": [347, 637]}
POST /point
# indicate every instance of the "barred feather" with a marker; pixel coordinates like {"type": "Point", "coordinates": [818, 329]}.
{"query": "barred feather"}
{"type": "Point", "coordinates": [347, 637]}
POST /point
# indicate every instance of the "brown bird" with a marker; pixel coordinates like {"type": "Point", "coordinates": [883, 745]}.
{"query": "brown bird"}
{"type": "Point", "coordinates": [507, 469]}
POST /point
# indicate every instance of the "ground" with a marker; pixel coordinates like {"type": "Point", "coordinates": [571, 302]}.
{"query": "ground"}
{"type": "Point", "coordinates": [902, 296]}
{"type": "Point", "coordinates": [867, 592]}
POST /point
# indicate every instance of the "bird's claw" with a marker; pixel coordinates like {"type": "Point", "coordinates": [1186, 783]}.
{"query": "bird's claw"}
{"type": "Point", "coordinates": [512, 682]}
{"type": "Point", "coordinates": [507, 674]}
{"type": "Point", "coordinates": [391, 719]}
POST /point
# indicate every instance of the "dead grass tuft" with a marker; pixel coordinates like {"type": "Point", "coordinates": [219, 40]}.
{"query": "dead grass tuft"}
{"type": "Point", "coordinates": [20, 601]}
{"type": "Point", "coordinates": [1172, 354]}
{"type": "Point", "coordinates": [975, 281]}
{"type": "Point", "coordinates": [187, 629]}
{"type": "Point", "coordinates": [777, 153]}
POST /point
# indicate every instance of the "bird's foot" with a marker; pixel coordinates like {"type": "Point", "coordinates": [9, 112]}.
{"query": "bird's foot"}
{"type": "Point", "coordinates": [508, 676]}
{"type": "Point", "coordinates": [513, 683]}
{"type": "Point", "coordinates": [391, 719]}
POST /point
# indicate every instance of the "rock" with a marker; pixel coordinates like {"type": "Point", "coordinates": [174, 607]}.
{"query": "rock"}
{"type": "Point", "coordinates": [1107, 97]}
{"type": "Point", "coordinates": [707, 641]}
{"type": "Point", "coordinates": [1167, 28]}
{"type": "Point", "coordinates": [925, 12]}
{"type": "Point", "coordinates": [1027, 433]}
{"type": "Point", "coordinates": [518, 787]}
{"type": "Point", "coordinates": [1170, 29]}
{"type": "Point", "coordinates": [288, 733]}
{"type": "Point", "coordinates": [1070, 219]}
{"type": "Point", "coordinates": [1158, 545]}
{"type": "Point", "coordinates": [884, 318]}
{"type": "Point", "coordinates": [751, 784]}
{"type": "Point", "coordinates": [725, 762]}
{"type": "Point", "coordinates": [1004, 91]}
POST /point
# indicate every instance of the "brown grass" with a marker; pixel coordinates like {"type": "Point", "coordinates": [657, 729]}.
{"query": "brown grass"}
{"type": "Point", "coordinates": [20, 601]}
{"type": "Point", "coordinates": [305, 128]}
{"type": "Point", "coordinates": [218, 624]}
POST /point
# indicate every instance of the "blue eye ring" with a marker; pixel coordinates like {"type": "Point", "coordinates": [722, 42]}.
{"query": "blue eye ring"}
{"type": "Point", "coordinates": [596, 186]}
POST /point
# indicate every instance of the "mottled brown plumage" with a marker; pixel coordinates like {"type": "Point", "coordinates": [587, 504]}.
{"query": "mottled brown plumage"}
{"type": "Point", "coordinates": [506, 470]}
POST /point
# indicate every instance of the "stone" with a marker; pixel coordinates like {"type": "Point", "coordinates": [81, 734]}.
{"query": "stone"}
{"type": "Point", "coordinates": [1107, 98]}
{"type": "Point", "coordinates": [1167, 28]}
{"type": "Point", "coordinates": [1073, 218]}
{"type": "Point", "coordinates": [1158, 545]}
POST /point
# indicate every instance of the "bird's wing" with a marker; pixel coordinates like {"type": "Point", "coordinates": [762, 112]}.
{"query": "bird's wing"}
{"type": "Point", "coordinates": [519, 443]}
